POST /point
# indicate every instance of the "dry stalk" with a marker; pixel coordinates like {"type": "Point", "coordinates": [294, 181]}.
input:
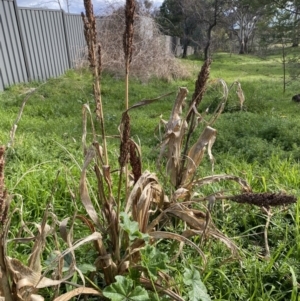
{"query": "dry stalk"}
{"type": "Point", "coordinates": [128, 49]}
{"type": "Point", "coordinates": [269, 215]}
{"type": "Point", "coordinates": [200, 88]}
{"type": "Point", "coordinates": [94, 57]}
{"type": "Point", "coordinates": [128, 42]}
{"type": "Point", "coordinates": [15, 124]}
{"type": "Point", "coordinates": [5, 288]}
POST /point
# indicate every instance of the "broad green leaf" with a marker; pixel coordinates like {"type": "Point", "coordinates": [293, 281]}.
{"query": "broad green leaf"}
{"type": "Point", "coordinates": [85, 268]}
{"type": "Point", "coordinates": [198, 291]}
{"type": "Point", "coordinates": [132, 228]}
{"type": "Point", "coordinates": [123, 290]}
{"type": "Point", "coordinates": [153, 260]}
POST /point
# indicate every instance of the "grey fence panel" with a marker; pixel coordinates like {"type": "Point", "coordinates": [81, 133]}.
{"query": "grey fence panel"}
{"type": "Point", "coordinates": [12, 61]}
{"type": "Point", "coordinates": [45, 42]}
{"type": "Point", "coordinates": [36, 44]}
{"type": "Point", "coordinates": [75, 38]}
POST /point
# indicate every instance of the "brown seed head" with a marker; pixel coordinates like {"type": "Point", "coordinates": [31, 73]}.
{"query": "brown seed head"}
{"type": "Point", "coordinates": [265, 199]}
{"type": "Point", "coordinates": [135, 161]}
{"type": "Point", "coordinates": [90, 33]}
{"type": "Point", "coordinates": [200, 84]}
{"type": "Point", "coordinates": [128, 33]}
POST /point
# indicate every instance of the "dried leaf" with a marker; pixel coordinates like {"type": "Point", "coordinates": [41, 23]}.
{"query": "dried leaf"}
{"type": "Point", "coordinates": [240, 94]}
{"type": "Point", "coordinates": [186, 215]}
{"type": "Point", "coordinates": [196, 154]}
{"type": "Point", "coordinates": [91, 237]}
{"type": "Point", "coordinates": [216, 234]}
{"type": "Point", "coordinates": [85, 110]}
{"type": "Point", "coordinates": [78, 291]}
{"type": "Point", "coordinates": [34, 261]}
{"type": "Point", "coordinates": [152, 195]}
{"type": "Point", "coordinates": [172, 140]}
{"type": "Point", "coordinates": [35, 297]}
{"type": "Point", "coordinates": [135, 194]}
{"type": "Point", "coordinates": [181, 194]}
{"type": "Point", "coordinates": [217, 178]}
{"type": "Point", "coordinates": [178, 237]}
{"type": "Point", "coordinates": [83, 190]}
{"type": "Point", "coordinates": [146, 102]}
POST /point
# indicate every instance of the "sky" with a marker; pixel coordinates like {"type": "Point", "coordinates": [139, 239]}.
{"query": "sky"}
{"type": "Point", "coordinates": [76, 6]}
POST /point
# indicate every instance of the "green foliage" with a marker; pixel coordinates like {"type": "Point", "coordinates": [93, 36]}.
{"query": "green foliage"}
{"type": "Point", "coordinates": [197, 290]}
{"type": "Point", "coordinates": [153, 260]}
{"type": "Point", "coordinates": [124, 290]}
{"type": "Point", "coordinates": [132, 228]}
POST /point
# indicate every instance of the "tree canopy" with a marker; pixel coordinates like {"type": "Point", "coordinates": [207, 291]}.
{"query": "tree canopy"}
{"type": "Point", "coordinates": [201, 22]}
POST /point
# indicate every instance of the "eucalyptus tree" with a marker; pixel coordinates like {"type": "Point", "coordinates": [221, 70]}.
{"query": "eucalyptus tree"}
{"type": "Point", "coordinates": [191, 20]}
{"type": "Point", "coordinates": [242, 18]}
{"type": "Point", "coordinates": [176, 19]}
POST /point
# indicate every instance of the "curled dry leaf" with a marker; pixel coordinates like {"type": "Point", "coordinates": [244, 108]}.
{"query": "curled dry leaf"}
{"type": "Point", "coordinates": [76, 292]}
{"type": "Point", "coordinates": [213, 232]}
{"type": "Point", "coordinates": [150, 199]}
{"type": "Point", "coordinates": [240, 94]}
{"type": "Point", "coordinates": [181, 194]}
{"type": "Point", "coordinates": [86, 110]}
{"type": "Point", "coordinates": [186, 215]}
{"type": "Point", "coordinates": [172, 141]}
{"type": "Point", "coordinates": [83, 190]}
{"type": "Point", "coordinates": [217, 178]}
{"type": "Point", "coordinates": [146, 178]}
{"type": "Point", "coordinates": [196, 154]}
{"type": "Point", "coordinates": [174, 236]}
{"type": "Point", "coordinates": [146, 102]}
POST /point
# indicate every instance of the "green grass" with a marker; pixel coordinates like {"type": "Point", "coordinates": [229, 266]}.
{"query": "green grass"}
{"type": "Point", "coordinates": [259, 144]}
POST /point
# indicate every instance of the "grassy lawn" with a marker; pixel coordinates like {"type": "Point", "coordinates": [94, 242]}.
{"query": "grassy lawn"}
{"type": "Point", "coordinates": [259, 143]}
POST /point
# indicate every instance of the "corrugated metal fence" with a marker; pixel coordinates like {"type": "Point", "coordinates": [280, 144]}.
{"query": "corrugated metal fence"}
{"type": "Point", "coordinates": [36, 44]}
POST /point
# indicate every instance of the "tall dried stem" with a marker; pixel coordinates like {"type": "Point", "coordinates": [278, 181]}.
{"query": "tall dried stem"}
{"type": "Point", "coordinates": [127, 45]}
{"type": "Point", "coordinates": [200, 88]}
{"type": "Point", "coordinates": [127, 42]}
{"type": "Point", "coordinates": [5, 288]}
{"type": "Point", "coordinates": [94, 57]}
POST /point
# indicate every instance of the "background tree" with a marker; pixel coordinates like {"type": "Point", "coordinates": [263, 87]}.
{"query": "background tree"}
{"type": "Point", "coordinates": [177, 19]}
{"type": "Point", "coordinates": [208, 14]}
{"type": "Point", "coordinates": [242, 19]}
{"type": "Point", "coordinates": [191, 20]}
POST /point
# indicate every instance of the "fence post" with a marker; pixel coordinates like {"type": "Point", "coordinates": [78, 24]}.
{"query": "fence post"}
{"type": "Point", "coordinates": [66, 38]}
{"type": "Point", "coordinates": [16, 9]}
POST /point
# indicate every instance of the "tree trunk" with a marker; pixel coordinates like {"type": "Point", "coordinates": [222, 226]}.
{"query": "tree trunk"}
{"type": "Point", "coordinates": [185, 46]}
{"type": "Point", "coordinates": [210, 28]}
{"type": "Point", "coordinates": [246, 44]}
{"type": "Point", "coordinates": [242, 47]}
